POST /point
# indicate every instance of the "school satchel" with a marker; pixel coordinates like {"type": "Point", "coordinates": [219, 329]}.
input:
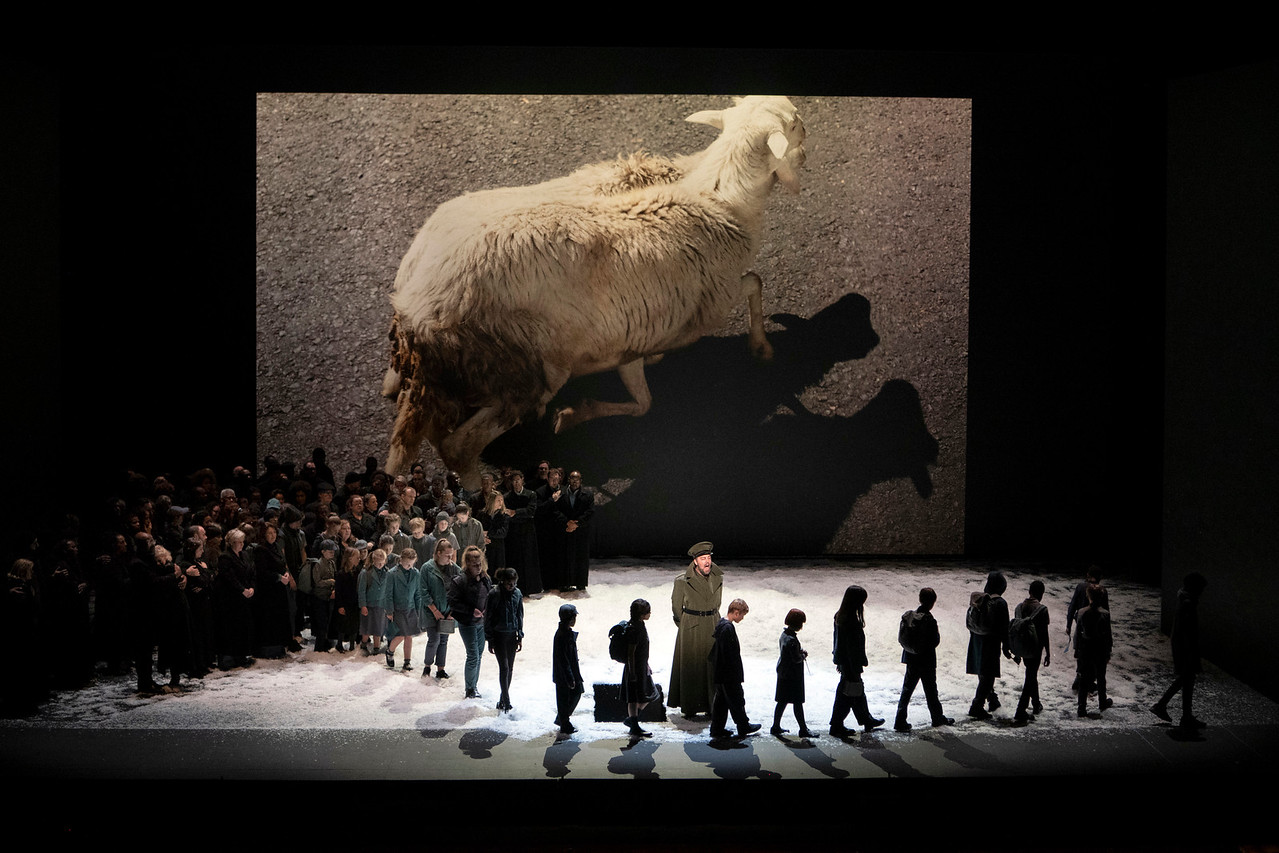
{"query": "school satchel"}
{"type": "Point", "coordinates": [1023, 636]}
{"type": "Point", "coordinates": [617, 642]}
{"type": "Point", "coordinates": [978, 619]}
{"type": "Point", "coordinates": [909, 632]}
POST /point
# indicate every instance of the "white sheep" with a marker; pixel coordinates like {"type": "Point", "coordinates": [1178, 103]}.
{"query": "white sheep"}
{"type": "Point", "coordinates": [506, 294]}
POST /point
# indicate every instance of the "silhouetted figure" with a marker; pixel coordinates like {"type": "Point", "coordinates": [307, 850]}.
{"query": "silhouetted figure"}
{"type": "Point", "coordinates": [1185, 652]}
{"type": "Point", "coordinates": [1078, 602]}
{"type": "Point", "coordinates": [920, 636]}
{"type": "Point", "coordinates": [987, 635]}
{"type": "Point", "coordinates": [1034, 652]}
{"type": "Point", "coordinates": [1092, 648]}
{"type": "Point", "coordinates": [637, 676]}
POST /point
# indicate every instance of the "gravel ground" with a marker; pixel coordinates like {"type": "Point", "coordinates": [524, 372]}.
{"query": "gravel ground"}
{"type": "Point", "coordinates": [852, 441]}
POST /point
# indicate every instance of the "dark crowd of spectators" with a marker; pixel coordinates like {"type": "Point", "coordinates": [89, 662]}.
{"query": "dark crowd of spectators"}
{"type": "Point", "coordinates": [177, 574]}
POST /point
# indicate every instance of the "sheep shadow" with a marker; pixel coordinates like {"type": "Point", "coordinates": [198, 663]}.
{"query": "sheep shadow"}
{"type": "Point", "coordinates": [729, 451]}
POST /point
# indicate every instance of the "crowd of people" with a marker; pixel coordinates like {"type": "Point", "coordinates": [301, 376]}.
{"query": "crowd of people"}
{"type": "Point", "coordinates": [180, 575]}
{"type": "Point", "coordinates": [189, 576]}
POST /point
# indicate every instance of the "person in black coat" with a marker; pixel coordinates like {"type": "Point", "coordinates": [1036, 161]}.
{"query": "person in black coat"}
{"type": "Point", "coordinates": [791, 659]}
{"type": "Point", "coordinates": [233, 589]}
{"type": "Point", "coordinates": [521, 536]}
{"type": "Point", "coordinates": [728, 675]}
{"type": "Point", "coordinates": [986, 642]}
{"type": "Point", "coordinates": [1093, 642]}
{"type": "Point", "coordinates": [1033, 608]}
{"type": "Point", "coordinates": [921, 661]}
{"type": "Point", "coordinates": [550, 533]}
{"type": "Point", "coordinates": [637, 676]}
{"type": "Point", "coordinates": [565, 671]}
{"type": "Point", "coordinates": [574, 511]}
{"type": "Point", "coordinates": [1185, 653]}
{"type": "Point", "coordinates": [850, 659]}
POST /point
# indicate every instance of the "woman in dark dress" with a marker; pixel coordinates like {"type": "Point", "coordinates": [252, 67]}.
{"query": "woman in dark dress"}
{"type": "Point", "coordinates": [234, 588]}
{"type": "Point", "coordinates": [272, 629]}
{"type": "Point", "coordinates": [637, 676]}
{"type": "Point", "coordinates": [198, 594]}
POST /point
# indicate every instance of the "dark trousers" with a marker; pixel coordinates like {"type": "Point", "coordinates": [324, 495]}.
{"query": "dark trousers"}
{"type": "Point", "coordinates": [729, 699]}
{"type": "Point", "coordinates": [1185, 682]}
{"type": "Point", "coordinates": [503, 645]}
{"type": "Point", "coordinates": [1091, 672]}
{"type": "Point", "coordinates": [927, 677]}
{"type": "Point", "coordinates": [320, 623]}
{"type": "Point", "coordinates": [1030, 687]}
{"type": "Point", "coordinates": [566, 699]}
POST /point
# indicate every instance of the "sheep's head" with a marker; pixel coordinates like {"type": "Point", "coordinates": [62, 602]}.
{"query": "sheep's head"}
{"type": "Point", "coordinates": [777, 121]}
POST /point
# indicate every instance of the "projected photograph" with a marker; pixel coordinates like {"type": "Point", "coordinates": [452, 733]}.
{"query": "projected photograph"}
{"type": "Point", "coordinates": [410, 268]}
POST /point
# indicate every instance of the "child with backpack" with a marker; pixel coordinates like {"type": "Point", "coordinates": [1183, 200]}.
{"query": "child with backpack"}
{"type": "Point", "coordinates": [637, 677]}
{"type": "Point", "coordinates": [987, 636]}
{"type": "Point", "coordinates": [919, 638]}
{"type": "Point", "coordinates": [1028, 638]}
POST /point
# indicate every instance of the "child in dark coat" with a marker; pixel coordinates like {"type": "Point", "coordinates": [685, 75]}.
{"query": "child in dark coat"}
{"type": "Point", "coordinates": [790, 674]}
{"type": "Point", "coordinates": [564, 669]}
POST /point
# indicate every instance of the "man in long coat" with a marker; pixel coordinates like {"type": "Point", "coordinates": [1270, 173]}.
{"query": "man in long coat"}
{"type": "Point", "coordinates": [695, 601]}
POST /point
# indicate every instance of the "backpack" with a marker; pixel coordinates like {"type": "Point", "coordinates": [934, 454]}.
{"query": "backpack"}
{"type": "Point", "coordinates": [304, 575]}
{"type": "Point", "coordinates": [978, 618]}
{"type": "Point", "coordinates": [908, 632]}
{"type": "Point", "coordinates": [1023, 636]}
{"type": "Point", "coordinates": [617, 642]}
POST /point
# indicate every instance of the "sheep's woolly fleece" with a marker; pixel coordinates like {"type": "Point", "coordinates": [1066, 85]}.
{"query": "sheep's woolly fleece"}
{"type": "Point", "coordinates": [351, 691]}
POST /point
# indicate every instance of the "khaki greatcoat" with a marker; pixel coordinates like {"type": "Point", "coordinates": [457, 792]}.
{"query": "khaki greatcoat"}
{"type": "Point", "coordinates": [691, 685]}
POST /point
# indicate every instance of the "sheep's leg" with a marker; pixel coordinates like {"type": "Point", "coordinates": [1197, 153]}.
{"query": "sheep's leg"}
{"type": "Point", "coordinates": [406, 436]}
{"type": "Point", "coordinates": [753, 289]}
{"type": "Point", "coordinates": [461, 448]}
{"type": "Point", "coordinates": [632, 374]}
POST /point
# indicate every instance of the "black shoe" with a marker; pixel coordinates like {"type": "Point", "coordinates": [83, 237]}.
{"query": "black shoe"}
{"type": "Point", "coordinates": [979, 713]}
{"type": "Point", "coordinates": [439, 673]}
{"type": "Point", "coordinates": [943, 721]}
{"type": "Point", "coordinates": [872, 723]}
{"type": "Point", "coordinates": [1161, 711]}
{"type": "Point", "coordinates": [720, 734]}
{"type": "Point", "coordinates": [567, 728]}
{"type": "Point", "coordinates": [1193, 723]}
{"type": "Point", "coordinates": [1108, 702]}
{"type": "Point", "coordinates": [408, 667]}
{"type": "Point", "coordinates": [748, 729]}
{"type": "Point", "coordinates": [804, 732]}
{"type": "Point", "coordinates": [839, 730]}
{"type": "Point", "coordinates": [390, 660]}
{"type": "Point", "coordinates": [993, 702]}
{"type": "Point", "coordinates": [1021, 717]}
{"type": "Point", "coordinates": [778, 730]}
{"type": "Point", "coordinates": [471, 694]}
{"type": "Point", "coordinates": [1037, 707]}
{"type": "Point", "coordinates": [902, 726]}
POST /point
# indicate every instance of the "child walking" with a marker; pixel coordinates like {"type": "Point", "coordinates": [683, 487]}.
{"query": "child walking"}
{"type": "Point", "coordinates": [790, 674]}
